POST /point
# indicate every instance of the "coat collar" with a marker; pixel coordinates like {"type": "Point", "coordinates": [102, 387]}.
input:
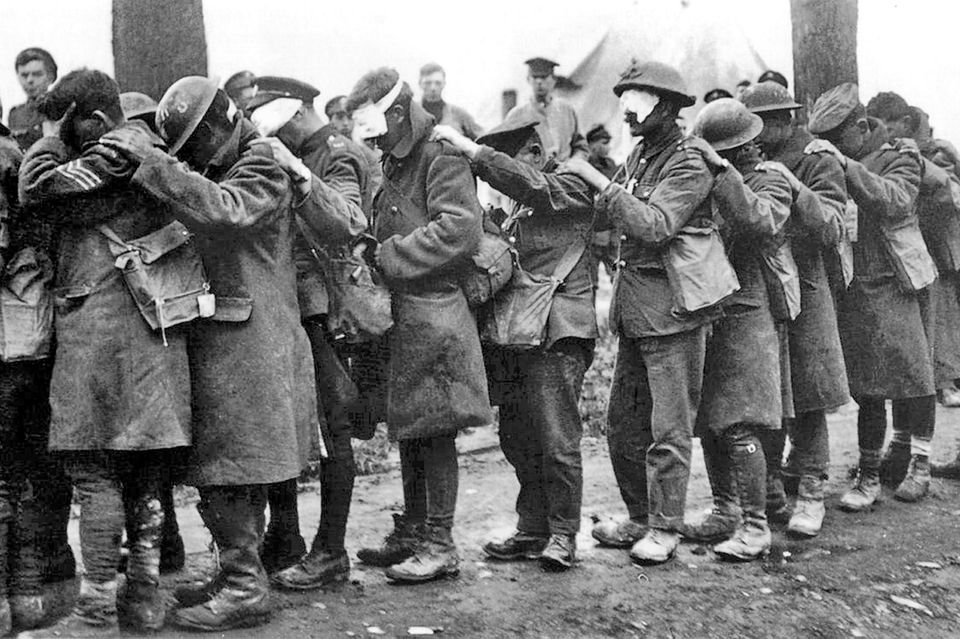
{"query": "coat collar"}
{"type": "Point", "coordinates": [792, 152]}
{"type": "Point", "coordinates": [421, 123]}
{"type": "Point", "coordinates": [316, 140]}
{"type": "Point", "coordinates": [653, 146]}
{"type": "Point", "coordinates": [228, 154]}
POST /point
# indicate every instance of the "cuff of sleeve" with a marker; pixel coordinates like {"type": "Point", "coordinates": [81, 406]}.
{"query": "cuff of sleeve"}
{"type": "Point", "coordinates": [50, 144]}
{"type": "Point", "coordinates": [605, 197]}
{"type": "Point", "coordinates": [482, 157]}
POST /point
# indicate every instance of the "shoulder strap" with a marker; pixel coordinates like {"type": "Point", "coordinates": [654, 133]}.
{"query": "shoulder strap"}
{"type": "Point", "coordinates": [570, 259]}
{"type": "Point", "coordinates": [117, 245]}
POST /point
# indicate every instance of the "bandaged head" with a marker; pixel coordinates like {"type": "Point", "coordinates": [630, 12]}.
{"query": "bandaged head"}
{"type": "Point", "coordinates": [272, 116]}
{"type": "Point", "coordinates": [369, 119]}
{"type": "Point", "coordinates": [639, 102]}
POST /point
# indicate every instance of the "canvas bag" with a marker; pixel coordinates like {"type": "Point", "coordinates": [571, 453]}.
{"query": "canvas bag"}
{"type": "Point", "coordinates": [26, 307]}
{"type": "Point", "coordinates": [164, 274]}
{"type": "Point", "coordinates": [911, 261]}
{"type": "Point", "coordinates": [699, 273]}
{"type": "Point", "coordinates": [782, 278]}
{"type": "Point", "coordinates": [360, 309]}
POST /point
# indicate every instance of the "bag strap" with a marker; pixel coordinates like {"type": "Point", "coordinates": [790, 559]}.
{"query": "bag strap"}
{"type": "Point", "coordinates": [117, 245]}
{"type": "Point", "coordinates": [571, 257]}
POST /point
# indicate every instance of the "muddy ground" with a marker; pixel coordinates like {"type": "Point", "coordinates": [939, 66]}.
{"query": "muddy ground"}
{"type": "Point", "coordinates": [858, 579]}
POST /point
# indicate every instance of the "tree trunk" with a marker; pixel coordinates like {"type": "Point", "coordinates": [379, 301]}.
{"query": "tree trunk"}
{"type": "Point", "coordinates": [824, 46]}
{"type": "Point", "coordinates": [157, 43]}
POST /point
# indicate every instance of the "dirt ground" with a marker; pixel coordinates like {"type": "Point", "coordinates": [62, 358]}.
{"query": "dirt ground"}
{"type": "Point", "coordinates": [894, 572]}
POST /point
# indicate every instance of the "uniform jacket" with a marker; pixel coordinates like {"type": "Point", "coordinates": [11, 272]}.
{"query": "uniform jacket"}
{"type": "Point", "coordinates": [429, 223]}
{"type": "Point", "coordinates": [742, 372]}
{"type": "Point", "coordinates": [332, 213]}
{"type": "Point", "coordinates": [886, 350]}
{"type": "Point", "coordinates": [560, 213]}
{"type": "Point", "coordinates": [115, 385]}
{"type": "Point", "coordinates": [26, 124]}
{"type": "Point", "coordinates": [666, 185]}
{"type": "Point", "coordinates": [459, 119]}
{"type": "Point", "coordinates": [252, 372]}
{"type": "Point", "coordinates": [558, 129]}
{"type": "Point", "coordinates": [817, 371]}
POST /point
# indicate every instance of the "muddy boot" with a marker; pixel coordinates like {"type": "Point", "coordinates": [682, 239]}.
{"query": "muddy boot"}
{"type": "Point", "coordinates": [808, 512]}
{"type": "Point", "coordinates": [719, 524]}
{"type": "Point", "coordinates": [28, 611]}
{"type": "Point", "coordinates": [893, 465]}
{"type": "Point", "coordinates": [6, 621]}
{"type": "Point", "coordinates": [916, 484]}
{"type": "Point", "coordinates": [950, 470]}
{"type": "Point", "coordinates": [93, 616]}
{"type": "Point", "coordinates": [724, 517]}
{"type": "Point", "coordinates": [751, 480]}
{"type": "Point", "coordinates": [751, 541]}
{"type": "Point", "coordinates": [242, 598]}
{"type": "Point", "coordinates": [26, 561]}
{"type": "Point", "coordinates": [140, 606]}
{"type": "Point", "coordinates": [949, 396]}
{"type": "Point", "coordinates": [619, 534]}
{"type": "Point", "coordinates": [318, 569]}
{"type": "Point", "coordinates": [283, 545]}
{"type": "Point", "coordinates": [867, 491]}
{"type": "Point", "coordinates": [396, 547]}
{"type": "Point", "coordinates": [189, 596]}
{"type": "Point", "coordinates": [657, 547]}
{"type": "Point", "coordinates": [778, 510]}
{"type": "Point", "coordinates": [435, 556]}
{"type": "Point", "coordinates": [560, 553]}
{"type": "Point", "coordinates": [519, 545]}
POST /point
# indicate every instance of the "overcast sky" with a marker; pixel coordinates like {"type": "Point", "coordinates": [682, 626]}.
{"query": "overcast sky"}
{"type": "Point", "coordinates": [909, 47]}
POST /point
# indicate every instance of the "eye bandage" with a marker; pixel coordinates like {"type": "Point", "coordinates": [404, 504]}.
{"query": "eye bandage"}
{"type": "Point", "coordinates": [370, 119]}
{"type": "Point", "coordinates": [271, 117]}
{"type": "Point", "coordinates": [638, 102]}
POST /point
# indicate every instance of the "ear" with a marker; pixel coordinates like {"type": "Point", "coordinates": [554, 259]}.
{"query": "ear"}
{"type": "Point", "coordinates": [863, 126]}
{"type": "Point", "coordinates": [397, 112]}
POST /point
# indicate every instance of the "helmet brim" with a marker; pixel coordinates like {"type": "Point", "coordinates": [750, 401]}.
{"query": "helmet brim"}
{"type": "Point", "coordinates": [684, 99]}
{"type": "Point", "coordinates": [766, 108]}
{"type": "Point", "coordinates": [756, 126]}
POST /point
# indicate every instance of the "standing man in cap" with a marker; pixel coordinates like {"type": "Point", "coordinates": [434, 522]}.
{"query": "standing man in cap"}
{"type": "Point", "coordinates": [240, 88]}
{"type": "Point", "coordinates": [331, 177]}
{"type": "Point", "coordinates": [881, 326]}
{"type": "Point", "coordinates": [433, 79]}
{"type": "Point", "coordinates": [598, 141]}
{"type": "Point", "coordinates": [559, 129]}
{"type": "Point", "coordinates": [818, 375]}
{"type": "Point", "coordinates": [429, 222]}
{"type": "Point", "coordinates": [36, 71]}
{"type": "Point", "coordinates": [659, 372]}
{"type": "Point", "coordinates": [250, 365]}
{"type": "Point", "coordinates": [539, 391]}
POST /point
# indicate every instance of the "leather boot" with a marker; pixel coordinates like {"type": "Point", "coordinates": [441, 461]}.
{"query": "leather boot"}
{"type": "Point", "coordinates": [916, 484]}
{"type": "Point", "coordinates": [808, 512]}
{"type": "Point", "coordinates": [93, 616]}
{"type": "Point", "coordinates": [283, 545]}
{"type": "Point", "coordinates": [893, 465]}
{"type": "Point", "coordinates": [618, 534]}
{"type": "Point", "coordinates": [140, 605]}
{"type": "Point", "coordinates": [242, 599]}
{"type": "Point", "coordinates": [657, 547]}
{"type": "Point", "coordinates": [950, 470]}
{"type": "Point", "coordinates": [560, 553]}
{"type": "Point", "coordinates": [719, 524]}
{"type": "Point", "coordinates": [519, 545]}
{"type": "Point", "coordinates": [724, 517]}
{"type": "Point", "coordinates": [318, 569]}
{"type": "Point", "coordinates": [750, 476]}
{"type": "Point", "coordinates": [751, 541]}
{"type": "Point", "coordinates": [435, 556]}
{"type": "Point", "coordinates": [193, 595]}
{"type": "Point", "coordinates": [396, 546]}
{"type": "Point", "coordinates": [866, 492]}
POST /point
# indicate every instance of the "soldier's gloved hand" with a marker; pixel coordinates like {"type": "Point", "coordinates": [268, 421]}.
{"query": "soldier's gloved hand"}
{"type": "Point", "coordinates": [133, 142]}
{"type": "Point", "coordinates": [577, 165]}
{"type": "Point", "coordinates": [948, 149]}
{"type": "Point", "coordinates": [818, 145]}
{"type": "Point", "coordinates": [462, 143]}
{"type": "Point", "coordinates": [710, 155]}
{"type": "Point", "coordinates": [769, 165]}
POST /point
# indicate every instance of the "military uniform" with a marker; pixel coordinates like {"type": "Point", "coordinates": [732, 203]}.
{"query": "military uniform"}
{"type": "Point", "coordinates": [538, 391]}
{"type": "Point", "coordinates": [559, 129]}
{"type": "Point", "coordinates": [453, 116]}
{"type": "Point", "coordinates": [26, 123]}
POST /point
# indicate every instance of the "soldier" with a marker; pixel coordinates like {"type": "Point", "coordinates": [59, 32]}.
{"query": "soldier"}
{"type": "Point", "coordinates": [433, 79]}
{"type": "Point", "coordinates": [539, 391]}
{"type": "Point", "coordinates": [428, 221]}
{"type": "Point", "coordinates": [817, 373]}
{"type": "Point", "coordinates": [120, 393]}
{"type": "Point", "coordinates": [251, 371]}
{"type": "Point", "coordinates": [881, 327]}
{"type": "Point", "coordinates": [331, 171]}
{"type": "Point", "coordinates": [240, 88]}
{"type": "Point", "coordinates": [36, 71]}
{"type": "Point", "coordinates": [336, 111]}
{"type": "Point", "coordinates": [742, 381]}
{"type": "Point", "coordinates": [559, 129]}
{"type": "Point", "coordinates": [659, 371]}
{"type": "Point", "coordinates": [937, 211]}
{"type": "Point", "coordinates": [598, 140]}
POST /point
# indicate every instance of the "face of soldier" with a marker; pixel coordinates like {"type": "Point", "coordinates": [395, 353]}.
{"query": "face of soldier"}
{"type": "Point", "coordinates": [638, 106]}
{"type": "Point", "coordinates": [532, 152]}
{"type": "Point", "coordinates": [243, 97]}
{"type": "Point", "coordinates": [600, 148]}
{"type": "Point", "coordinates": [542, 85]}
{"type": "Point", "coordinates": [849, 137]}
{"type": "Point", "coordinates": [34, 78]}
{"type": "Point", "coordinates": [777, 129]}
{"type": "Point", "coordinates": [432, 86]}
{"type": "Point", "coordinates": [899, 127]}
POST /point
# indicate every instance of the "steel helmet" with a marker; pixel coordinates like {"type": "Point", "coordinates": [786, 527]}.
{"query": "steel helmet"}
{"type": "Point", "coordinates": [136, 105]}
{"type": "Point", "coordinates": [768, 96]}
{"type": "Point", "coordinates": [726, 124]}
{"type": "Point", "coordinates": [182, 107]}
{"type": "Point", "coordinates": [656, 77]}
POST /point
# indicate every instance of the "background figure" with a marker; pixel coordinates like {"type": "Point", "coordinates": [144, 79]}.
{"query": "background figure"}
{"type": "Point", "coordinates": [240, 89]}
{"type": "Point", "coordinates": [36, 71]}
{"type": "Point", "coordinates": [433, 79]}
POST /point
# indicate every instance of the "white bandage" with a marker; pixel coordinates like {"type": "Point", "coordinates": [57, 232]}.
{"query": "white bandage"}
{"type": "Point", "coordinates": [369, 120]}
{"type": "Point", "coordinates": [271, 117]}
{"type": "Point", "coordinates": [639, 102]}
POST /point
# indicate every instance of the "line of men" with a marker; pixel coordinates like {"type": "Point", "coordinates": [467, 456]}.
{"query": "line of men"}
{"type": "Point", "coordinates": [234, 397]}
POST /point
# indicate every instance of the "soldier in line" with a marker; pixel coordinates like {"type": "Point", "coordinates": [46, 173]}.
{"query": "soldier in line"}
{"type": "Point", "coordinates": [817, 373]}
{"type": "Point", "coordinates": [36, 71]}
{"type": "Point", "coordinates": [539, 391]}
{"type": "Point", "coordinates": [885, 347]}
{"type": "Point", "coordinates": [331, 178]}
{"type": "Point", "coordinates": [251, 371]}
{"type": "Point", "coordinates": [428, 222]}
{"type": "Point", "coordinates": [659, 370]}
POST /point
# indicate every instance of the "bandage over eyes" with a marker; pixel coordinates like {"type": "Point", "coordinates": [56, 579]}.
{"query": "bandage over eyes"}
{"type": "Point", "coordinates": [369, 120]}
{"type": "Point", "coordinates": [638, 102]}
{"type": "Point", "coordinates": [271, 117]}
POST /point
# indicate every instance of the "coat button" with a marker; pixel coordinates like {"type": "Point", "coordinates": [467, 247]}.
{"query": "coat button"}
{"type": "Point", "coordinates": [622, 263]}
{"type": "Point", "coordinates": [646, 193]}
{"type": "Point", "coordinates": [623, 238]}
{"type": "Point", "coordinates": [643, 160]}
{"type": "Point", "coordinates": [394, 209]}
{"type": "Point", "coordinates": [512, 240]}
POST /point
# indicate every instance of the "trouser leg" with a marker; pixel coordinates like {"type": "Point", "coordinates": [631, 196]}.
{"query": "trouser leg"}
{"type": "Point", "coordinates": [871, 430]}
{"type": "Point", "coordinates": [810, 438]}
{"type": "Point", "coordinates": [522, 447]}
{"type": "Point", "coordinates": [336, 485]}
{"type": "Point", "coordinates": [412, 475]}
{"type": "Point", "coordinates": [748, 463]}
{"type": "Point", "coordinates": [236, 519]}
{"type": "Point", "coordinates": [628, 427]}
{"type": "Point", "coordinates": [442, 479]}
{"type": "Point", "coordinates": [99, 492]}
{"type": "Point", "coordinates": [717, 461]}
